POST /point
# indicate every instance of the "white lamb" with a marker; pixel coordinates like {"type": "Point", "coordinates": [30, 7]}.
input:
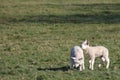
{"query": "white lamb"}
{"type": "Point", "coordinates": [97, 51]}
{"type": "Point", "coordinates": [77, 58]}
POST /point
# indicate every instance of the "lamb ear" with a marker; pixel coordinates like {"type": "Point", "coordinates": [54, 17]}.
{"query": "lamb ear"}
{"type": "Point", "coordinates": [73, 58]}
{"type": "Point", "coordinates": [85, 41]}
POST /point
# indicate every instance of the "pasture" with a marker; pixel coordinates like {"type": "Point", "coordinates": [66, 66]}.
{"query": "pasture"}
{"type": "Point", "coordinates": [36, 37]}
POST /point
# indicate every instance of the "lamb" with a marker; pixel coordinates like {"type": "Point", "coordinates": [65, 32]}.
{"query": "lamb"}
{"type": "Point", "coordinates": [77, 58]}
{"type": "Point", "coordinates": [96, 51]}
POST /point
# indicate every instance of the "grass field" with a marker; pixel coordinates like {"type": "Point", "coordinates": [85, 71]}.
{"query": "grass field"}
{"type": "Point", "coordinates": [36, 37]}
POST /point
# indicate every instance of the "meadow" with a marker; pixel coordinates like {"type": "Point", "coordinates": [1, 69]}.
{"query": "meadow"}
{"type": "Point", "coordinates": [36, 37]}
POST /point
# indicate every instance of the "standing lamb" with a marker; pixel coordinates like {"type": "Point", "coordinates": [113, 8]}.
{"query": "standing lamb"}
{"type": "Point", "coordinates": [77, 58]}
{"type": "Point", "coordinates": [97, 51]}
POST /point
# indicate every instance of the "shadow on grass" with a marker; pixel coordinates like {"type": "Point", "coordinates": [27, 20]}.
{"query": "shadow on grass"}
{"type": "Point", "coordinates": [92, 13]}
{"type": "Point", "coordinates": [64, 68]}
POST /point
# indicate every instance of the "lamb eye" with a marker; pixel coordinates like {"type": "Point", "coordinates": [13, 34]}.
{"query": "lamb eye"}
{"type": "Point", "coordinates": [80, 59]}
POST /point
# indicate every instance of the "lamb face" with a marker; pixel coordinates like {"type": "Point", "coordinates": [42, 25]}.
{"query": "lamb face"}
{"type": "Point", "coordinates": [77, 62]}
{"type": "Point", "coordinates": [84, 45]}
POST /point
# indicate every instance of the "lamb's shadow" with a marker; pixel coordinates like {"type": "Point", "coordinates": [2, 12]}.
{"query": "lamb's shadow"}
{"type": "Point", "coordinates": [64, 68]}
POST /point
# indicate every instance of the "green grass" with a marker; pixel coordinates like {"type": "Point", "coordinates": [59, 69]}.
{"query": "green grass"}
{"type": "Point", "coordinates": [36, 37]}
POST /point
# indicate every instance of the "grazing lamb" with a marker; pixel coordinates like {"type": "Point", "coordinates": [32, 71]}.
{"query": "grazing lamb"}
{"type": "Point", "coordinates": [97, 51]}
{"type": "Point", "coordinates": [77, 58]}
